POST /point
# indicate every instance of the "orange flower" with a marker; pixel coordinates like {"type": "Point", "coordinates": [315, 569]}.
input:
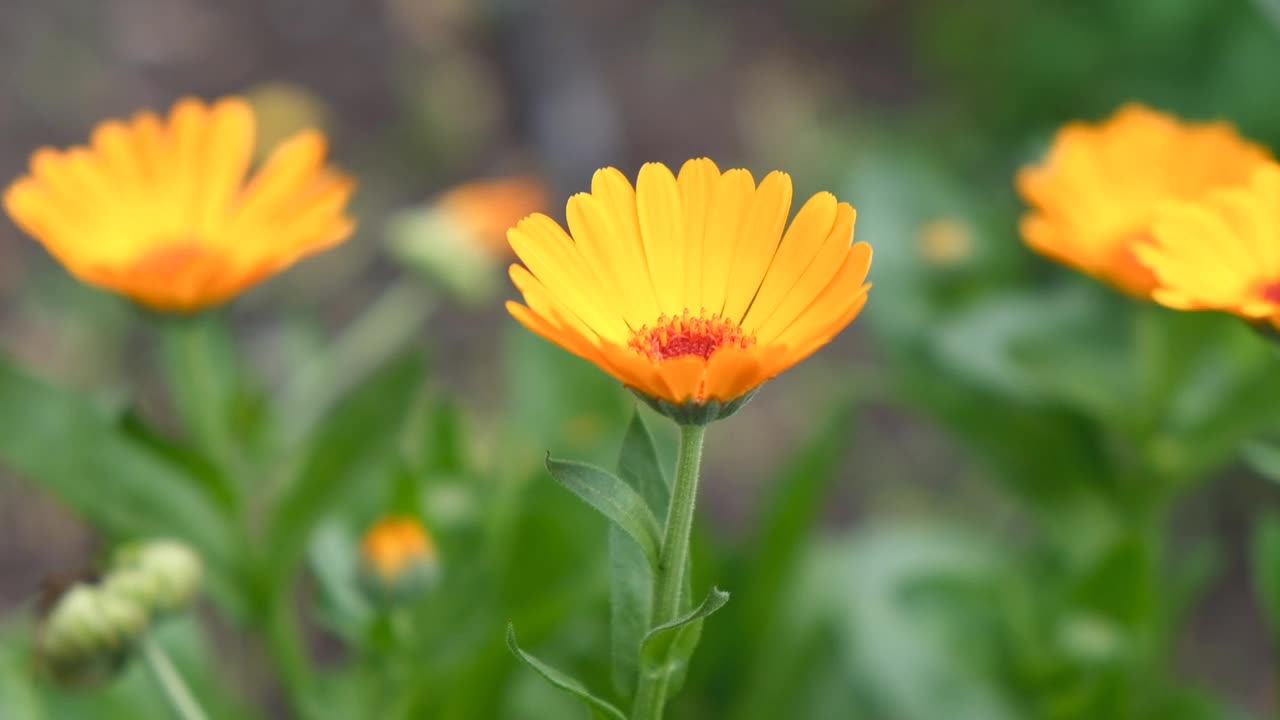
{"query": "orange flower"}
{"type": "Point", "coordinates": [395, 543]}
{"type": "Point", "coordinates": [1222, 253]}
{"type": "Point", "coordinates": [484, 209]}
{"type": "Point", "coordinates": [687, 289]}
{"type": "Point", "coordinates": [1097, 192]}
{"type": "Point", "coordinates": [160, 210]}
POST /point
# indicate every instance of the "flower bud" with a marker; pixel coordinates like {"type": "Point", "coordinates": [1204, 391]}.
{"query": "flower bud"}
{"type": "Point", "coordinates": [398, 560]}
{"type": "Point", "coordinates": [86, 637]}
{"type": "Point", "coordinates": [460, 240]}
{"type": "Point", "coordinates": [162, 575]}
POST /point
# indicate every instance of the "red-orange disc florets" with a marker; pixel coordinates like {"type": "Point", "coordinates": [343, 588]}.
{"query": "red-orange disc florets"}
{"type": "Point", "coordinates": [1270, 291]}
{"type": "Point", "coordinates": [688, 334]}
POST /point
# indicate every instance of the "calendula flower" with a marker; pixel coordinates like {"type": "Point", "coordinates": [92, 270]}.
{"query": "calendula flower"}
{"type": "Point", "coordinates": [460, 239]}
{"type": "Point", "coordinates": [1094, 197]}
{"type": "Point", "coordinates": [398, 558]}
{"type": "Point", "coordinates": [484, 209]}
{"type": "Point", "coordinates": [1222, 253]}
{"type": "Point", "coordinates": [160, 209]}
{"type": "Point", "coordinates": [687, 289]}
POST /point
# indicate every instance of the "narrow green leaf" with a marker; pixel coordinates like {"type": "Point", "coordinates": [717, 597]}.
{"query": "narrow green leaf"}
{"type": "Point", "coordinates": [785, 527]}
{"type": "Point", "coordinates": [630, 608]}
{"type": "Point", "coordinates": [444, 447]}
{"type": "Point", "coordinates": [361, 434]}
{"type": "Point", "coordinates": [639, 465]}
{"type": "Point", "coordinates": [561, 680]}
{"type": "Point", "coordinates": [371, 342]}
{"type": "Point", "coordinates": [614, 499]}
{"type": "Point", "coordinates": [1266, 568]}
{"type": "Point", "coordinates": [630, 575]}
{"type": "Point", "coordinates": [666, 649]}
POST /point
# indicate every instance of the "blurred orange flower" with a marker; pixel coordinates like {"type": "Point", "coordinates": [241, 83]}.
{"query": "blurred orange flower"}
{"type": "Point", "coordinates": [394, 543]}
{"type": "Point", "coordinates": [160, 210]}
{"type": "Point", "coordinates": [484, 209]}
{"type": "Point", "coordinates": [687, 289]}
{"type": "Point", "coordinates": [1097, 192]}
{"type": "Point", "coordinates": [1222, 253]}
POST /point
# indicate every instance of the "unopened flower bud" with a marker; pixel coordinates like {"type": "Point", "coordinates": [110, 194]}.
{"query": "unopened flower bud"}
{"type": "Point", "coordinates": [460, 240]}
{"type": "Point", "coordinates": [398, 560]}
{"type": "Point", "coordinates": [163, 575]}
{"type": "Point", "coordinates": [85, 638]}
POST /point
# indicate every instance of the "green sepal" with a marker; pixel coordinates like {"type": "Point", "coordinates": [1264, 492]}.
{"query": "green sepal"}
{"type": "Point", "coordinates": [614, 499]}
{"type": "Point", "coordinates": [695, 413]}
{"type": "Point", "coordinates": [563, 681]}
{"type": "Point", "coordinates": [667, 648]}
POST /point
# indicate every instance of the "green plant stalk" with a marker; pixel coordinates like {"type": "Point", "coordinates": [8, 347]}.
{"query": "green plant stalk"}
{"type": "Point", "coordinates": [175, 690]}
{"type": "Point", "coordinates": [191, 357]}
{"type": "Point", "coordinates": [673, 563]}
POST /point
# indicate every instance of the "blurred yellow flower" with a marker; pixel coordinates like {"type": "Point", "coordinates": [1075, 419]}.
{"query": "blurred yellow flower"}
{"type": "Point", "coordinates": [687, 289]}
{"type": "Point", "coordinates": [394, 544]}
{"type": "Point", "coordinates": [1222, 253]}
{"type": "Point", "coordinates": [160, 210]}
{"type": "Point", "coordinates": [1096, 193]}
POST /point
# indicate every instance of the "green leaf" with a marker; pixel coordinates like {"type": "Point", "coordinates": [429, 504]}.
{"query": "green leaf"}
{"type": "Point", "coordinates": [638, 464]}
{"type": "Point", "coordinates": [368, 344]}
{"type": "Point", "coordinates": [630, 576]}
{"type": "Point", "coordinates": [790, 514]}
{"type": "Point", "coordinates": [359, 437]}
{"type": "Point", "coordinates": [1266, 568]}
{"type": "Point", "coordinates": [18, 695]}
{"type": "Point", "coordinates": [61, 441]}
{"type": "Point", "coordinates": [667, 648]}
{"type": "Point", "coordinates": [1264, 459]}
{"type": "Point", "coordinates": [599, 708]}
{"type": "Point", "coordinates": [630, 608]}
{"type": "Point", "coordinates": [614, 499]}
{"type": "Point", "coordinates": [444, 448]}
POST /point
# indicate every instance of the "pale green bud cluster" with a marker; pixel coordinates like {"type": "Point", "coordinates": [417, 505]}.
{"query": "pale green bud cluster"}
{"type": "Point", "coordinates": [161, 575]}
{"type": "Point", "coordinates": [89, 632]}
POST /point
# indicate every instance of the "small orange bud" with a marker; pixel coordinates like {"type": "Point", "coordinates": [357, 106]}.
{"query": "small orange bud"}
{"type": "Point", "coordinates": [398, 557]}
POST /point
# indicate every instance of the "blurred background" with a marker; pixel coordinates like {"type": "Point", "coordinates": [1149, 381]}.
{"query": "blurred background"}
{"type": "Point", "coordinates": [927, 520]}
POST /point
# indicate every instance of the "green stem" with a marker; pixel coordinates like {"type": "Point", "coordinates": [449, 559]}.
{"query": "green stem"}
{"type": "Point", "coordinates": [673, 564]}
{"type": "Point", "coordinates": [200, 383]}
{"type": "Point", "coordinates": [175, 689]}
{"type": "Point", "coordinates": [285, 645]}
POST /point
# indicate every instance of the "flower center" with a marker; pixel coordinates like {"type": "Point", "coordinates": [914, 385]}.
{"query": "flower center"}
{"type": "Point", "coordinates": [1270, 291]}
{"type": "Point", "coordinates": [688, 334]}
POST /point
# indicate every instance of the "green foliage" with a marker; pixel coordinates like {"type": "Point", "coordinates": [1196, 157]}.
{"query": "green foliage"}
{"type": "Point", "coordinates": [666, 649]}
{"type": "Point", "coordinates": [614, 499]}
{"type": "Point", "coordinates": [63, 442]}
{"type": "Point", "coordinates": [600, 708]}
{"type": "Point", "coordinates": [964, 508]}
{"type": "Point", "coordinates": [630, 575]}
{"type": "Point", "coordinates": [1266, 567]}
